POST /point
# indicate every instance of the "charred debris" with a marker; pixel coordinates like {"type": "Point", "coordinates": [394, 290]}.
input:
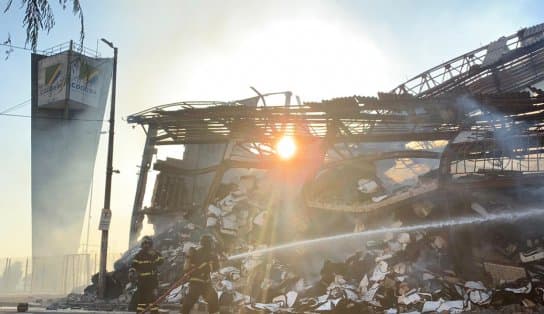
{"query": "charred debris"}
{"type": "Point", "coordinates": [363, 163]}
{"type": "Point", "coordinates": [460, 140]}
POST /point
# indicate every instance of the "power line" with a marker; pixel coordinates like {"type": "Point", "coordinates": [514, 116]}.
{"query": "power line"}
{"type": "Point", "coordinates": [21, 48]}
{"type": "Point", "coordinates": [49, 52]}
{"type": "Point", "coordinates": [50, 118]}
{"type": "Point", "coordinates": [90, 210]}
{"type": "Point", "coordinates": [15, 106]}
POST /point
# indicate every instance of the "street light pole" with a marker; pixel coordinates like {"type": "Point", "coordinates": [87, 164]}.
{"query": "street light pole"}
{"type": "Point", "coordinates": [109, 172]}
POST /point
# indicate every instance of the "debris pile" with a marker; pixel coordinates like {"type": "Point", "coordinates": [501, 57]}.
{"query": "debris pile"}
{"type": "Point", "coordinates": [237, 218]}
{"type": "Point", "coordinates": [173, 243]}
{"type": "Point", "coordinates": [401, 273]}
{"type": "Point", "coordinates": [417, 272]}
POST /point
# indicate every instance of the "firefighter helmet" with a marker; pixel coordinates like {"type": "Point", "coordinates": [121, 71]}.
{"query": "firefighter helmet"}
{"type": "Point", "coordinates": [147, 239]}
{"type": "Point", "coordinates": [206, 241]}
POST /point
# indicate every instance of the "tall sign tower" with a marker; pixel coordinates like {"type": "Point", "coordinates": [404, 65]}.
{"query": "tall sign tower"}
{"type": "Point", "coordinates": [69, 95]}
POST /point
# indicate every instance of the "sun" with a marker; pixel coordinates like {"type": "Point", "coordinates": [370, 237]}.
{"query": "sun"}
{"type": "Point", "coordinates": [286, 147]}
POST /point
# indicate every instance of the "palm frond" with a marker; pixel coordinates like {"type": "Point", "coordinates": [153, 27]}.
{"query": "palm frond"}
{"type": "Point", "coordinates": [39, 17]}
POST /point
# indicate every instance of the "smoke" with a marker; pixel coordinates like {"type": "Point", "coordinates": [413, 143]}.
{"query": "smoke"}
{"type": "Point", "coordinates": [502, 127]}
{"type": "Point", "coordinates": [11, 277]}
{"type": "Point", "coordinates": [63, 152]}
{"type": "Point", "coordinates": [460, 221]}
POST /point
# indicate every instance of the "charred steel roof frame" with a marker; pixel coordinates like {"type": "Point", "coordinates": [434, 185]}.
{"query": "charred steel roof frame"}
{"type": "Point", "coordinates": [508, 64]}
{"type": "Point", "coordinates": [350, 119]}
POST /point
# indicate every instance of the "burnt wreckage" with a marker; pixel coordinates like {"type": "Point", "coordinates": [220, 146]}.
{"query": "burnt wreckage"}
{"type": "Point", "coordinates": [466, 103]}
{"type": "Point", "coordinates": [462, 139]}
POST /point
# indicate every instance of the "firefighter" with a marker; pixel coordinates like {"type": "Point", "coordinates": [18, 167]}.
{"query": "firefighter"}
{"type": "Point", "coordinates": [200, 263]}
{"type": "Point", "coordinates": [145, 263]}
{"type": "Point", "coordinates": [131, 290]}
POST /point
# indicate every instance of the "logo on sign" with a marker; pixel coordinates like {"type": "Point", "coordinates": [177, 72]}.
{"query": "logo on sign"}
{"type": "Point", "coordinates": [85, 77]}
{"type": "Point", "coordinates": [52, 73]}
{"type": "Point", "coordinates": [54, 80]}
{"type": "Point", "coordinates": [88, 73]}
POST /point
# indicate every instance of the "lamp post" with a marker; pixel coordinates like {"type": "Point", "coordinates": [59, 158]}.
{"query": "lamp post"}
{"type": "Point", "coordinates": [106, 211]}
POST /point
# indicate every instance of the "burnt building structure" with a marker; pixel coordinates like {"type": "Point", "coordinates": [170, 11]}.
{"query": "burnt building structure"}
{"type": "Point", "coordinates": [472, 123]}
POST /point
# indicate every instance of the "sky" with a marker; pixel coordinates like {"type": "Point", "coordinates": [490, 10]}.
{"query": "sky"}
{"type": "Point", "coordinates": [214, 50]}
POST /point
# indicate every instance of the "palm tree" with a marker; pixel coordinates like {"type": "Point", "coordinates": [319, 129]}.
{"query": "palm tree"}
{"type": "Point", "coordinates": [39, 17]}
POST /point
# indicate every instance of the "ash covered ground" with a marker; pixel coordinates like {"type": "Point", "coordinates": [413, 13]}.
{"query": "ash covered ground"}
{"type": "Point", "coordinates": [486, 266]}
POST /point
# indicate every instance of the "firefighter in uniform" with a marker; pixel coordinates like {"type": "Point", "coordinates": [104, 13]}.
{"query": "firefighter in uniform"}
{"type": "Point", "coordinates": [200, 262]}
{"type": "Point", "coordinates": [145, 263]}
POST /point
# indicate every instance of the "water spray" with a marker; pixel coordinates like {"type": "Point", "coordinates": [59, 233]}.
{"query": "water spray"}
{"type": "Point", "coordinates": [505, 216]}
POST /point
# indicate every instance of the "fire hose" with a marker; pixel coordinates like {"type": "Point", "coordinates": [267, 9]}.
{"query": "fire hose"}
{"type": "Point", "coordinates": [176, 284]}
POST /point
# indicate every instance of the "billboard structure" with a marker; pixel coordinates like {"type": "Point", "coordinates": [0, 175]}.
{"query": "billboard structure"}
{"type": "Point", "coordinates": [69, 95]}
{"type": "Point", "coordinates": [89, 81]}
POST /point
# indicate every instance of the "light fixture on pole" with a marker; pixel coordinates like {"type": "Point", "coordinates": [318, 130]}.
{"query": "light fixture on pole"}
{"type": "Point", "coordinates": [106, 211]}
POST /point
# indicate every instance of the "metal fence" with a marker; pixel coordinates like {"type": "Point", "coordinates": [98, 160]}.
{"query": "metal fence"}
{"type": "Point", "coordinates": [50, 274]}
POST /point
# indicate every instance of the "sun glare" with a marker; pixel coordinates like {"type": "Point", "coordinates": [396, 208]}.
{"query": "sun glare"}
{"type": "Point", "coordinates": [286, 147]}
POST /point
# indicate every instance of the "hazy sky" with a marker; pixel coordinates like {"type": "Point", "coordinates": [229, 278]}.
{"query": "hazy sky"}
{"type": "Point", "coordinates": [214, 50]}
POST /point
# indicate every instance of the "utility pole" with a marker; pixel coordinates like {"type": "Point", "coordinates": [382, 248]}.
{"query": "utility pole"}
{"type": "Point", "coordinates": [109, 171]}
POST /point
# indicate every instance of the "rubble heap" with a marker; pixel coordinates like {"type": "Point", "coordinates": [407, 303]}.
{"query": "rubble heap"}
{"type": "Point", "coordinates": [413, 272]}
{"type": "Point", "coordinates": [401, 273]}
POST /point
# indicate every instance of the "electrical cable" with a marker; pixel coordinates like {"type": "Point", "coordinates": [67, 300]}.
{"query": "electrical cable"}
{"type": "Point", "coordinates": [50, 118]}
{"type": "Point", "coordinates": [15, 106]}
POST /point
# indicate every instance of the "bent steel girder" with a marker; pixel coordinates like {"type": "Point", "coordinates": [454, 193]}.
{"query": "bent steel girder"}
{"type": "Point", "coordinates": [510, 63]}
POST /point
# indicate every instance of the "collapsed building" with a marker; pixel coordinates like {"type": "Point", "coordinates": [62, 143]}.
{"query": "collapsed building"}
{"type": "Point", "coordinates": [462, 139]}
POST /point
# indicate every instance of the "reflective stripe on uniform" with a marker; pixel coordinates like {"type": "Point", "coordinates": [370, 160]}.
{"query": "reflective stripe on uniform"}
{"type": "Point", "coordinates": [142, 262]}
{"type": "Point", "coordinates": [198, 280]}
{"type": "Point", "coordinates": [195, 277]}
{"type": "Point", "coordinates": [146, 274]}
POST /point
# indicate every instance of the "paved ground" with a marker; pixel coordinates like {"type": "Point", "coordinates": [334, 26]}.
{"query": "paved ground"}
{"type": "Point", "coordinates": [13, 309]}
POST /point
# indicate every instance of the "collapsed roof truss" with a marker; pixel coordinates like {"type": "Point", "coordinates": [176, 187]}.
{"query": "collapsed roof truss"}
{"type": "Point", "coordinates": [507, 64]}
{"type": "Point", "coordinates": [352, 119]}
{"type": "Point", "coordinates": [431, 106]}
